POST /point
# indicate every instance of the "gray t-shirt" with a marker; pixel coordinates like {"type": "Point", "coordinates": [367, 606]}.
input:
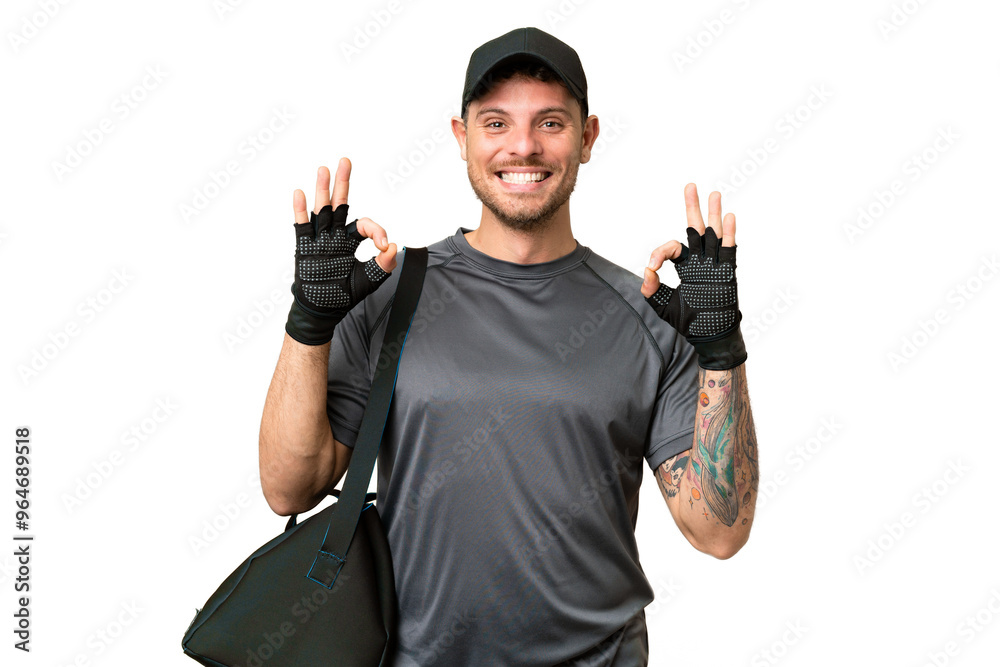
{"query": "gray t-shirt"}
{"type": "Point", "coordinates": [508, 477]}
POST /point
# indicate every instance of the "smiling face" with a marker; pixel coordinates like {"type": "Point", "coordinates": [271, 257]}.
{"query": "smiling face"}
{"type": "Point", "coordinates": [523, 145]}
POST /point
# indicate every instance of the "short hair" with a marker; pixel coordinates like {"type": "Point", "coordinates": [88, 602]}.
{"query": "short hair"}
{"type": "Point", "coordinates": [519, 66]}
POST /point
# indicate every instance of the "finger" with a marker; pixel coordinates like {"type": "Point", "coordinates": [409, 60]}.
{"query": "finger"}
{"type": "Point", "coordinates": [343, 182]}
{"type": "Point", "coordinates": [715, 212]}
{"type": "Point", "coordinates": [696, 241]}
{"type": "Point", "coordinates": [324, 220]}
{"type": "Point", "coordinates": [387, 259]}
{"type": "Point", "coordinates": [711, 244]}
{"type": "Point", "coordinates": [669, 250]}
{"type": "Point", "coordinates": [299, 207]}
{"type": "Point", "coordinates": [322, 189]}
{"type": "Point", "coordinates": [650, 282]}
{"type": "Point", "coordinates": [693, 208]}
{"type": "Point", "coordinates": [729, 230]}
{"type": "Point", "coordinates": [370, 229]}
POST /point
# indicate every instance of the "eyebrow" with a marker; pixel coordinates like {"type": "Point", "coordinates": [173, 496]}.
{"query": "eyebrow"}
{"type": "Point", "coordinates": [541, 112]}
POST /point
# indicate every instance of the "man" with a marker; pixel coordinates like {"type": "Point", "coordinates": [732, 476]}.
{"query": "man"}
{"type": "Point", "coordinates": [536, 377]}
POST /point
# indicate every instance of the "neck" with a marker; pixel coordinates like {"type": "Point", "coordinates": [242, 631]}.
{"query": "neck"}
{"type": "Point", "coordinates": [552, 241]}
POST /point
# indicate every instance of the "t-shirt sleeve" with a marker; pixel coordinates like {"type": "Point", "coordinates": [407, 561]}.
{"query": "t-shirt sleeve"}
{"type": "Point", "coordinates": [672, 428]}
{"type": "Point", "coordinates": [349, 377]}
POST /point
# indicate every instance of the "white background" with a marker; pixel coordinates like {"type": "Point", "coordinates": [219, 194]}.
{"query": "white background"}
{"type": "Point", "coordinates": [824, 308]}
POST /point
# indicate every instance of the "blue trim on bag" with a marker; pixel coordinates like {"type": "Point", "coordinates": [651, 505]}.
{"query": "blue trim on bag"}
{"type": "Point", "coordinates": [206, 613]}
{"type": "Point", "coordinates": [329, 556]}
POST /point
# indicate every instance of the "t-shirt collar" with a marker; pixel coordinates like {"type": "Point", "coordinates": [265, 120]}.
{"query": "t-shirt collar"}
{"type": "Point", "coordinates": [503, 267]}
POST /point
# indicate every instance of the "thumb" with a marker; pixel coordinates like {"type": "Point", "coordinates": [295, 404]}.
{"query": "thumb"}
{"type": "Point", "coordinates": [387, 258]}
{"type": "Point", "coordinates": [650, 282]}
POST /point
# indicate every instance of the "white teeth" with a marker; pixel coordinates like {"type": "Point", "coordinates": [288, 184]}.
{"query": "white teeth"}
{"type": "Point", "coordinates": [519, 177]}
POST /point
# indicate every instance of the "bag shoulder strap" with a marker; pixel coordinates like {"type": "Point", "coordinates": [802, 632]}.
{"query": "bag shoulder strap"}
{"type": "Point", "coordinates": [344, 521]}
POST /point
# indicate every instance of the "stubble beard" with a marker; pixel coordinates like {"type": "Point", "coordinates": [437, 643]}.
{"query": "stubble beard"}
{"type": "Point", "coordinates": [521, 218]}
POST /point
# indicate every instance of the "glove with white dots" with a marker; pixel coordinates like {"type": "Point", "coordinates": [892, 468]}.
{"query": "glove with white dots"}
{"type": "Point", "coordinates": [704, 308]}
{"type": "Point", "coordinates": [329, 279]}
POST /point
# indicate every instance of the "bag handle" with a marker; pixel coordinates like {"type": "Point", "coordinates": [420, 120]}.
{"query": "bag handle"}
{"type": "Point", "coordinates": [344, 521]}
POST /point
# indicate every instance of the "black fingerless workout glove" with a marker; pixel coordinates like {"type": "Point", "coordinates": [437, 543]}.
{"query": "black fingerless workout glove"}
{"type": "Point", "coordinates": [329, 280]}
{"type": "Point", "coordinates": [704, 307]}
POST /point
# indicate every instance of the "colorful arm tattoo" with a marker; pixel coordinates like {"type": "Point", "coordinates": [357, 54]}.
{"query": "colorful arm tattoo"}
{"type": "Point", "coordinates": [719, 473]}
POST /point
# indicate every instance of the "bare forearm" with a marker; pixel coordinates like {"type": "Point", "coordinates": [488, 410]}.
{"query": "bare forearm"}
{"type": "Point", "coordinates": [715, 494]}
{"type": "Point", "coordinates": [296, 445]}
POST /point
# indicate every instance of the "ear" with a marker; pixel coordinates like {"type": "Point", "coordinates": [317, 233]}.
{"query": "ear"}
{"type": "Point", "coordinates": [591, 128]}
{"type": "Point", "coordinates": [459, 130]}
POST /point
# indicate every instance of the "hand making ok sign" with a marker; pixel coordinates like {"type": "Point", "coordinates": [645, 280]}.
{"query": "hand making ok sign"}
{"type": "Point", "coordinates": [704, 308]}
{"type": "Point", "coordinates": [329, 280]}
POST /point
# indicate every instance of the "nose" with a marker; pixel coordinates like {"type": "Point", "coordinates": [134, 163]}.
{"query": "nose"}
{"type": "Point", "coordinates": [523, 141]}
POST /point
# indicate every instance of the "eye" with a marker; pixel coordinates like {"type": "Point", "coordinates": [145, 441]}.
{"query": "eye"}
{"type": "Point", "coordinates": [553, 123]}
{"type": "Point", "coordinates": [494, 123]}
